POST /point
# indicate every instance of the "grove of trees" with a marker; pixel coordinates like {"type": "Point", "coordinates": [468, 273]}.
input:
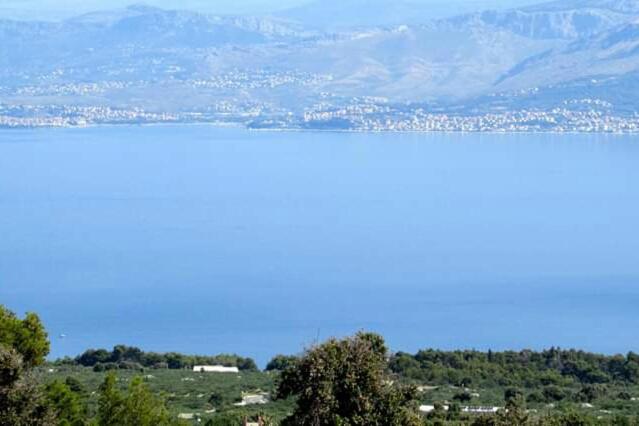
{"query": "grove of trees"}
{"type": "Point", "coordinates": [127, 357]}
{"type": "Point", "coordinates": [524, 368]}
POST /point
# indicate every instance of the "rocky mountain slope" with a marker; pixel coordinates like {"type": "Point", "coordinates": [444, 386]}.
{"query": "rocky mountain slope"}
{"type": "Point", "coordinates": [126, 57]}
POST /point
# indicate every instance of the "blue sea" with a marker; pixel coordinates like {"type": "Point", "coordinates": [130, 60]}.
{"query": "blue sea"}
{"type": "Point", "coordinates": [206, 240]}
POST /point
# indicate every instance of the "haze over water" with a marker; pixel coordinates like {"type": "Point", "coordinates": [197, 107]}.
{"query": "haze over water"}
{"type": "Point", "coordinates": [204, 240]}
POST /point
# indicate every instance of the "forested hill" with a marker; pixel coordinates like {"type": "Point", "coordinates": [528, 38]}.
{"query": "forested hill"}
{"type": "Point", "coordinates": [461, 368]}
{"type": "Point", "coordinates": [126, 357]}
{"type": "Point", "coordinates": [524, 368]}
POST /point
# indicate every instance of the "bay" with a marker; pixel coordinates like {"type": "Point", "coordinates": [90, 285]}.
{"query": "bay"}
{"type": "Point", "coordinates": [200, 239]}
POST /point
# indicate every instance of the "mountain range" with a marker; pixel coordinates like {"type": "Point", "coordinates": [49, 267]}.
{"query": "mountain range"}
{"type": "Point", "coordinates": [335, 14]}
{"type": "Point", "coordinates": [180, 60]}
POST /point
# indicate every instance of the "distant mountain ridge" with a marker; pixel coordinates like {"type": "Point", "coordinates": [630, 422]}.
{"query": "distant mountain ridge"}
{"type": "Point", "coordinates": [564, 19]}
{"type": "Point", "coordinates": [332, 14]}
{"type": "Point", "coordinates": [622, 6]}
{"type": "Point", "coordinates": [611, 53]}
{"type": "Point", "coordinates": [269, 26]}
{"type": "Point", "coordinates": [277, 63]}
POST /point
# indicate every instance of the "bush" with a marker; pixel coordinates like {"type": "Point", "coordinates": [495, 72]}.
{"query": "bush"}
{"type": "Point", "coordinates": [462, 397]}
{"type": "Point", "coordinates": [554, 394]}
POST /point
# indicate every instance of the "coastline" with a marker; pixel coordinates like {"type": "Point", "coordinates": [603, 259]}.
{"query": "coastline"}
{"type": "Point", "coordinates": [239, 125]}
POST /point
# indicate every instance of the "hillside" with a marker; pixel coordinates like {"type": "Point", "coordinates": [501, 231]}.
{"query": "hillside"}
{"type": "Point", "coordinates": [608, 54]}
{"type": "Point", "coordinates": [242, 68]}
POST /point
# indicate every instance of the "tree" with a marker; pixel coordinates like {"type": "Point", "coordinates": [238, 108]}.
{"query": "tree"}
{"type": "Point", "coordinates": [66, 404]}
{"type": "Point", "coordinates": [515, 412]}
{"type": "Point", "coordinates": [512, 394]}
{"type": "Point", "coordinates": [463, 397]}
{"type": "Point", "coordinates": [75, 385]}
{"type": "Point", "coordinates": [407, 366]}
{"type": "Point", "coordinates": [92, 357]}
{"type": "Point", "coordinates": [175, 361]}
{"type": "Point", "coordinates": [23, 345]}
{"type": "Point", "coordinates": [589, 393]}
{"type": "Point", "coordinates": [142, 408]}
{"type": "Point", "coordinates": [139, 407]}
{"type": "Point", "coordinates": [122, 353]}
{"type": "Point", "coordinates": [554, 393]}
{"type": "Point", "coordinates": [246, 364]}
{"type": "Point", "coordinates": [343, 382]}
{"type": "Point", "coordinates": [21, 401]}
{"type": "Point", "coordinates": [110, 403]}
{"type": "Point", "coordinates": [27, 337]}
{"type": "Point", "coordinates": [216, 399]}
{"type": "Point", "coordinates": [281, 363]}
{"type": "Point", "coordinates": [571, 419]}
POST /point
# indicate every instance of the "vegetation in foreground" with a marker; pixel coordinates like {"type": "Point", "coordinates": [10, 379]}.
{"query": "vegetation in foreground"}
{"type": "Point", "coordinates": [352, 381]}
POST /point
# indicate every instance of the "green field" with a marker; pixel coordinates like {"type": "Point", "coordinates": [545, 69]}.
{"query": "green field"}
{"type": "Point", "coordinates": [188, 392]}
{"type": "Point", "coordinates": [185, 391]}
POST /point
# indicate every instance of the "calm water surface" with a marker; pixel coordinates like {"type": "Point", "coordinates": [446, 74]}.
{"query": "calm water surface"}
{"type": "Point", "coordinates": [205, 240]}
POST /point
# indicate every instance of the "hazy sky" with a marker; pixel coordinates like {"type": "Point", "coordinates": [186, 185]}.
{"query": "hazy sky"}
{"type": "Point", "coordinates": [60, 8]}
{"type": "Point", "coordinates": [55, 9]}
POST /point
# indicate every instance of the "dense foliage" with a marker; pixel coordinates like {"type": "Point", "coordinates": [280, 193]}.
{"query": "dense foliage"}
{"type": "Point", "coordinates": [524, 369]}
{"type": "Point", "coordinates": [126, 357]}
{"type": "Point", "coordinates": [26, 336]}
{"type": "Point", "coordinates": [281, 362]}
{"type": "Point", "coordinates": [344, 382]}
{"type": "Point", "coordinates": [66, 403]}
{"type": "Point", "coordinates": [23, 344]}
{"type": "Point", "coordinates": [138, 407]}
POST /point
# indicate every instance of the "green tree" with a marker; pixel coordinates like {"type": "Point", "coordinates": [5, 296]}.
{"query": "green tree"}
{"type": "Point", "coordinates": [21, 401]}
{"type": "Point", "coordinates": [281, 363]}
{"type": "Point", "coordinates": [27, 336]}
{"type": "Point", "coordinates": [139, 407]}
{"type": "Point", "coordinates": [554, 393]}
{"type": "Point", "coordinates": [92, 357]}
{"type": "Point", "coordinates": [143, 408]}
{"type": "Point", "coordinates": [512, 394]}
{"type": "Point", "coordinates": [23, 345]}
{"type": "Point", "coordinates": [246, 364]}
{"type": "Point", "coordinates": [66, 404]}
{"type": "Point", "coordinates": [462, 397]}
{"type": "Point", "coordinates": [216, 399]}
{"type": "Point", "coordinates": [343, 382]}
{"type": "Point", "coordinates": [515, 412]}
{"type": "Point", "coordinates": [75, 385]}
{"type": "Point", "coordinates": [570, 419]}
{"type": "Point", "coordinates": [589, 393]}
{"type": "Point", "coordinates": [110, 403]}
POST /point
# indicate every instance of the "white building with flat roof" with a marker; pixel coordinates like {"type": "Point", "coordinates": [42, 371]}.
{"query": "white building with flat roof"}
{"type": "Point", "coordinates": [215, 369]}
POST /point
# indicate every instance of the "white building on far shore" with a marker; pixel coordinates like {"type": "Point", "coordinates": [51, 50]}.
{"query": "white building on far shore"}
{"type": "Point", "coordinates": [215, 369]}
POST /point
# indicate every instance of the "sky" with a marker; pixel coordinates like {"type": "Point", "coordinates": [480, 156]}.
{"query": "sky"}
{"type": "Point", "coordinates": [59, 9]}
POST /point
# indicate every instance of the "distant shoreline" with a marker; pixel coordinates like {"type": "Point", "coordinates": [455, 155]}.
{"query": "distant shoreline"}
{"type": "Point", "coordinates": [317, 130]}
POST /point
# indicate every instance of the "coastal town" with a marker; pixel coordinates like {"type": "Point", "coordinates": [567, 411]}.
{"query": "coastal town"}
{"type": "Point", "coordinates": [359, 114]}
{"type": "Point", "coordinates": [561, 119]}
{"type": "Point", "coordinates": [265, 98]}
